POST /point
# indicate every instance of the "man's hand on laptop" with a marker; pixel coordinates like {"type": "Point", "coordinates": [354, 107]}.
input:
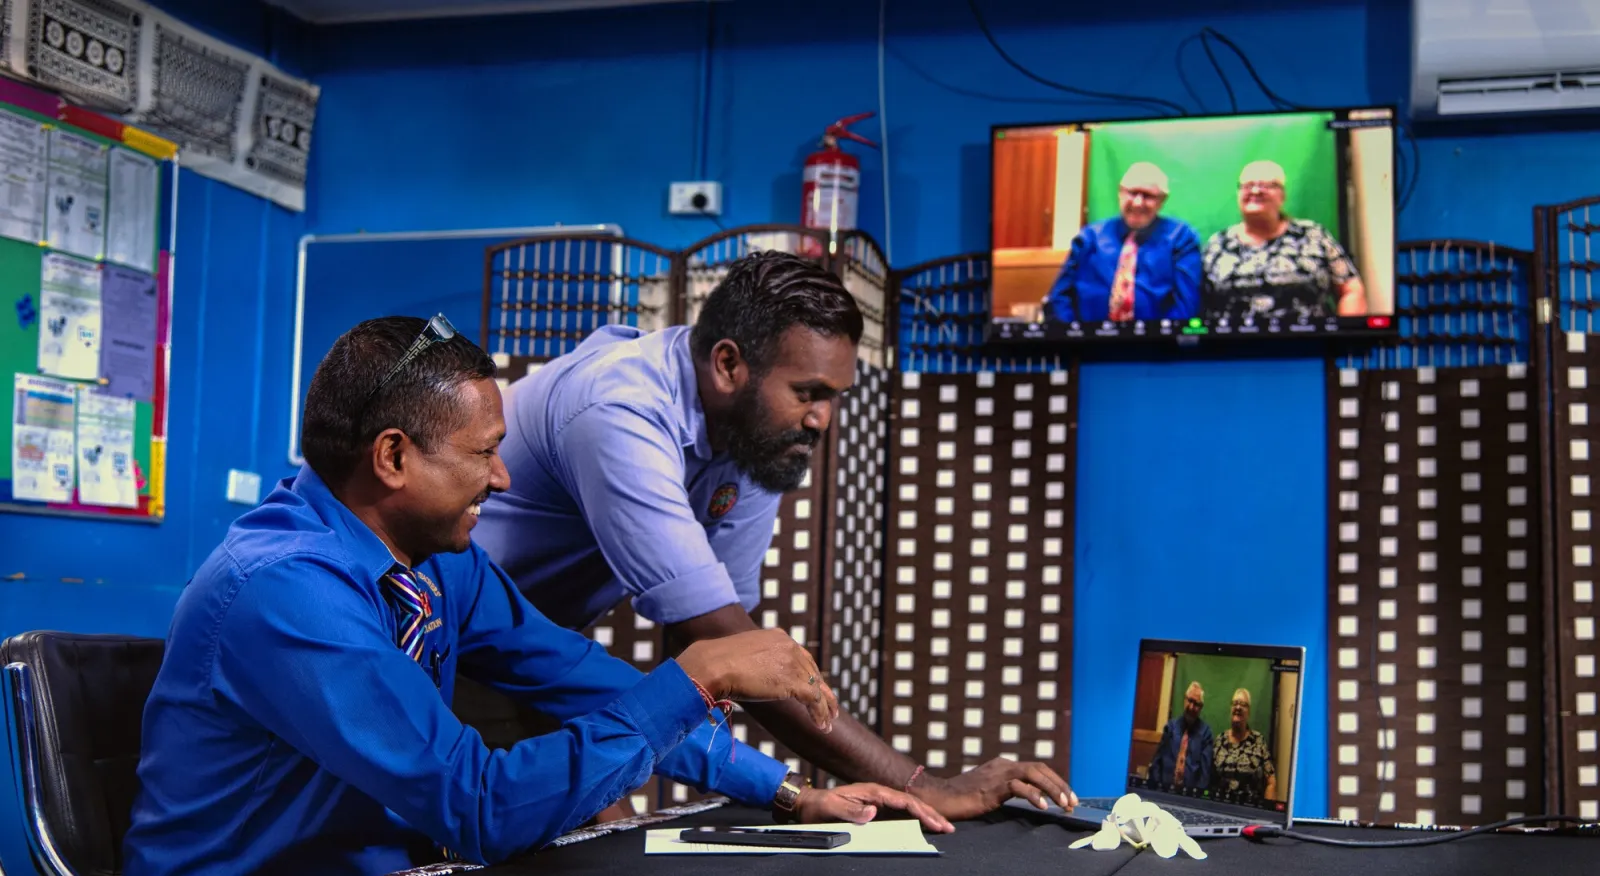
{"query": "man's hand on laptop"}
{"type": "Point", "coordinates": [981, 790]}
{"type": "Point", "coordinates": [762, 665]}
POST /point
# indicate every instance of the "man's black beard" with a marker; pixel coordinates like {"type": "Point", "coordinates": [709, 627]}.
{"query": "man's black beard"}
{"type": "Point", "coordinates": [763, 456]}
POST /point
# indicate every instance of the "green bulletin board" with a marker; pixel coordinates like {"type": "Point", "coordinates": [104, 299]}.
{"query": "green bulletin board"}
{"type": "Point", "coordinates": [99, 472]}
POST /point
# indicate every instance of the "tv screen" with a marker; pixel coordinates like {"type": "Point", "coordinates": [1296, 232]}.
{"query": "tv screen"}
{"type": "Point", "coordinates": [1242, 226]}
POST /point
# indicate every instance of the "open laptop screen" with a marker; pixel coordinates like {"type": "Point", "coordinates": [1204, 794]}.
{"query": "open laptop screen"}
{"type": "Point", "coordinates": [1217, 725]}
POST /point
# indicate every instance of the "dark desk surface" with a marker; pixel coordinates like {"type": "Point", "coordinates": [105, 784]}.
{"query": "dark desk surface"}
{"type": "Point", "coordinates": [1016, 842]}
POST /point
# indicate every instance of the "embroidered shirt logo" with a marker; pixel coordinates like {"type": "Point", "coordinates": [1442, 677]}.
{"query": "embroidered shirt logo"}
{"type": "Point", "coordinates": [723, 500]}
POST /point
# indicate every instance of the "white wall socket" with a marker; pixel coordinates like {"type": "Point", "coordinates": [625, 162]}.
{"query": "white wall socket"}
{"type": "Point", "coordinates": [695, 199]}
{"type": "Point", "coordinates": [244, 487]}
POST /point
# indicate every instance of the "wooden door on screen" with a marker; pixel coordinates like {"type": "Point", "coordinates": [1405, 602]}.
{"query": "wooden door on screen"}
{"type": "Point", "coordinates": [1024, 189]}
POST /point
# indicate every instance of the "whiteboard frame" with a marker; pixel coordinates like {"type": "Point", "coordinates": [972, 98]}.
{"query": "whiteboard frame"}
{"type": "Point", "coordinates": [296, 372]}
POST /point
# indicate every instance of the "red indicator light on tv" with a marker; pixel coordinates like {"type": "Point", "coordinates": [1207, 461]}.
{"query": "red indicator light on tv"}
{"type": "Point", "coordinates": [1377, 322]}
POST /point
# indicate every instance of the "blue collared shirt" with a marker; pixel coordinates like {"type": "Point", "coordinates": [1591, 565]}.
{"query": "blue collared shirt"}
{"type": "Point", "coordinates": [616, 493]}
{"type": "Point", "coordinates": [1167, 272]}
{"type": "Point", "coordinates": [1197, 759]}
{"type": "Point", "coordinates": [287, 732]}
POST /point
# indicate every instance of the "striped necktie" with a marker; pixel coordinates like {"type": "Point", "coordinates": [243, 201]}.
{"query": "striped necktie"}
{"type": "Point", "coordinates": [1122, 283]}
{"type": "Point", "coordinates": [411, 608]}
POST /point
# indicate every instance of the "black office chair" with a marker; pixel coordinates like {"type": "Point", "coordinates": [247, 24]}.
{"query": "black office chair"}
{"type": "Point", "coordinates": [79, 700]}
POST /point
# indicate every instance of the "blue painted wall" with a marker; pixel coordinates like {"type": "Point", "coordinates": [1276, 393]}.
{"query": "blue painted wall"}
{"type": "Point", "coordinates": [585, 117]}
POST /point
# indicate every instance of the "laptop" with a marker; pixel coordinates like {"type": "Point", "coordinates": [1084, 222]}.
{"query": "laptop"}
{"type": "Point", "coordinates": [1239, 705]}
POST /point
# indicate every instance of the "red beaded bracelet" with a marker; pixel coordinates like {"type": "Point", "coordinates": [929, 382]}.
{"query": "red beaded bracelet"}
{"type": "Point", "coordinates": [712, 703]}
{"type": "Point", "coordinates": [913, 778]}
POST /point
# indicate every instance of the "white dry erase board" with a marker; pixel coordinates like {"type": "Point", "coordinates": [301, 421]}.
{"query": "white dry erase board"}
{"type": "Point", "coordinates": [419, 273]}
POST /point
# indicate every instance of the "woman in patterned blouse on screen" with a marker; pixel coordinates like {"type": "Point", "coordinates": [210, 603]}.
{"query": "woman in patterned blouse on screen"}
{"type": "Point", "coordinates": [1242, 763]}
{"type": "Point", "coordinates": [1274, 266]}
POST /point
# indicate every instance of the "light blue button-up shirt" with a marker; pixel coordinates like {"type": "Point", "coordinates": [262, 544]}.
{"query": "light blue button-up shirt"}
{"type": "Point", "coordinates": [615, 491]}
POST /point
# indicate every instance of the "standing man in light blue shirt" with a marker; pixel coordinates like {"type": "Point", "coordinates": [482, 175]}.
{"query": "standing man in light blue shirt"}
{"type": "Point", "coordinates": [650, 467]}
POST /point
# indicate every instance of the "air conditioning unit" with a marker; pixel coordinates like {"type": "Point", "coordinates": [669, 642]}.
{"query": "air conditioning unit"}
{"type": "Point", "coordinates": [1473, 58]}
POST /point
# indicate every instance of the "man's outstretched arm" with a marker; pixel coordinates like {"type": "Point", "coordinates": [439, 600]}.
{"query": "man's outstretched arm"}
{"type": "Point", "coordinates": [856, 754]}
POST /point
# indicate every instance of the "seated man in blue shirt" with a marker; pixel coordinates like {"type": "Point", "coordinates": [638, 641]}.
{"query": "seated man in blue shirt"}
{"type": "Point", "coordinates": [651, 466]}
{"type": "Point", "coordinates": [301, 723]}
{"type": "Point", "coordinates": [1138, 265]}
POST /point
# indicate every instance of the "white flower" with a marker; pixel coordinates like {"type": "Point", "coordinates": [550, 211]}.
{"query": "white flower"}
{"type": "Point", "coordinates": [1143, 825]}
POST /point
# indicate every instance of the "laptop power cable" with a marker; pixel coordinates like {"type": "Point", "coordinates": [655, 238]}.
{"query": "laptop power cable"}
{"type": "Point", "coordinates": [1436, 835]}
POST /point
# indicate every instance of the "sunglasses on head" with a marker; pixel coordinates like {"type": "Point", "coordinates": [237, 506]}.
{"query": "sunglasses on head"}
{"type": "Point", "coordinates": [437, 331]}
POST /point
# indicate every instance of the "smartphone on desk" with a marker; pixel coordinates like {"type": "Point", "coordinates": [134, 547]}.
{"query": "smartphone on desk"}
{"type": "Point", "coordinates": [771, 837]}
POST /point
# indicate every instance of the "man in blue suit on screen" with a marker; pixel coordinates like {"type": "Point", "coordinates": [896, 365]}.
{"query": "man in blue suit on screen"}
{"type": "Point", "coordinates": [1139, 265]}
{"type": "Point", "coordinates": [1183, 759]}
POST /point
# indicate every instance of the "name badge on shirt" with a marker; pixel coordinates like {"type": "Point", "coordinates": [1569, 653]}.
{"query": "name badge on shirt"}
{"type": "Point", "coordinates": [428, 581]}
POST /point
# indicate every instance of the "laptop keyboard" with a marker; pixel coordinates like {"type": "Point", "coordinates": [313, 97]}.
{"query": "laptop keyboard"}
{"type": "Point", "coordinates": [1184, 816]}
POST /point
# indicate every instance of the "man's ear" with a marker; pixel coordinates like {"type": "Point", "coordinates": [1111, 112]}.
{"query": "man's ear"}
{"type": "Point", "coordinates": [392, 451]}
{"type": "Point", "coordinates": [729, 370]}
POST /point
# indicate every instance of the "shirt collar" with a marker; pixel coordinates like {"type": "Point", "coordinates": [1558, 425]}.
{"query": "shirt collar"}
{"type": "Point", "coordinates": [367, 551]}
{"type": "Point", "coordinates": [692, 413]}
{"type": "Point", "coordinates": [1143, 234]}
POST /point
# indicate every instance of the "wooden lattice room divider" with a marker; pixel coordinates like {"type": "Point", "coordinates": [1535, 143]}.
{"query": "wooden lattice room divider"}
{"type": "Point", "coordinates": [928, 560]}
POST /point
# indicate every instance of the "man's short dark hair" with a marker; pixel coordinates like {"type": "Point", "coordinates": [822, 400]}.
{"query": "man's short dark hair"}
{"type": "Point", "coordinates": [343, 417]}
{"type": "Point", "coordinates": [765, 294]}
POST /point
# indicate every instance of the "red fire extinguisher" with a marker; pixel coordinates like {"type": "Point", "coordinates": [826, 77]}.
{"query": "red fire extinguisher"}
{"type": "Point", "coordinates": [831, 190]}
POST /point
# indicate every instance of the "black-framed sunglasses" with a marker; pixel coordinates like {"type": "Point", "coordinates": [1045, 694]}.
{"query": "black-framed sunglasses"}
{"type": "Point", "coordinates": [437, 331]}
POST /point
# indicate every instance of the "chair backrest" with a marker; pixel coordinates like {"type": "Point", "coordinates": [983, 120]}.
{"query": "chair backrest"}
{"type": "Point", "coordinates": [80, 707]}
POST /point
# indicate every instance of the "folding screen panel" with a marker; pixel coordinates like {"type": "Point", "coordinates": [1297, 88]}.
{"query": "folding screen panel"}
{"type": "Point", "coordinates": [1566, 236]}
{"type": "Point", "coordinates": [792, 576]}
{"type": "Point", "coordinates": [852, 610]}
{"type": "Point", "coordinates": [1577, 365]}
{"type": "Point", "coordinates": [1436, 617]}
{"type": "Point", "coordinates": [820, 579]}
{"type": "Point", "coordinates": [1435, 632]}
{"type": "Point", "coordinates": [944, 314]}
{"type": "Point", "coordinates": [978, 592]}
{"type": "Point", "coordinates": [864, 270]}
{"type": "Point", "coordinates": [706, 262]}
{"type": "Point", "coordinates": [945, 305]}
{"type": "Point", "coordinates": [543, 295]}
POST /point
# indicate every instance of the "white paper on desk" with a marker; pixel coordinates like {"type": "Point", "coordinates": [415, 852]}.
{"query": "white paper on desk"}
{"type": "Point", "coordinates": [899, 837]}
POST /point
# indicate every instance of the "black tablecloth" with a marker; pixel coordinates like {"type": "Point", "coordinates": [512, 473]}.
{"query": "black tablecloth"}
{"type": "Point", "coordinates": [1015, 842]}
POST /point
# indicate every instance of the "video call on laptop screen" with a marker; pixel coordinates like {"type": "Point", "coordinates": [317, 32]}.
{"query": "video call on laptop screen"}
{"type": "Point", "coordinates": [1215, 726]}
